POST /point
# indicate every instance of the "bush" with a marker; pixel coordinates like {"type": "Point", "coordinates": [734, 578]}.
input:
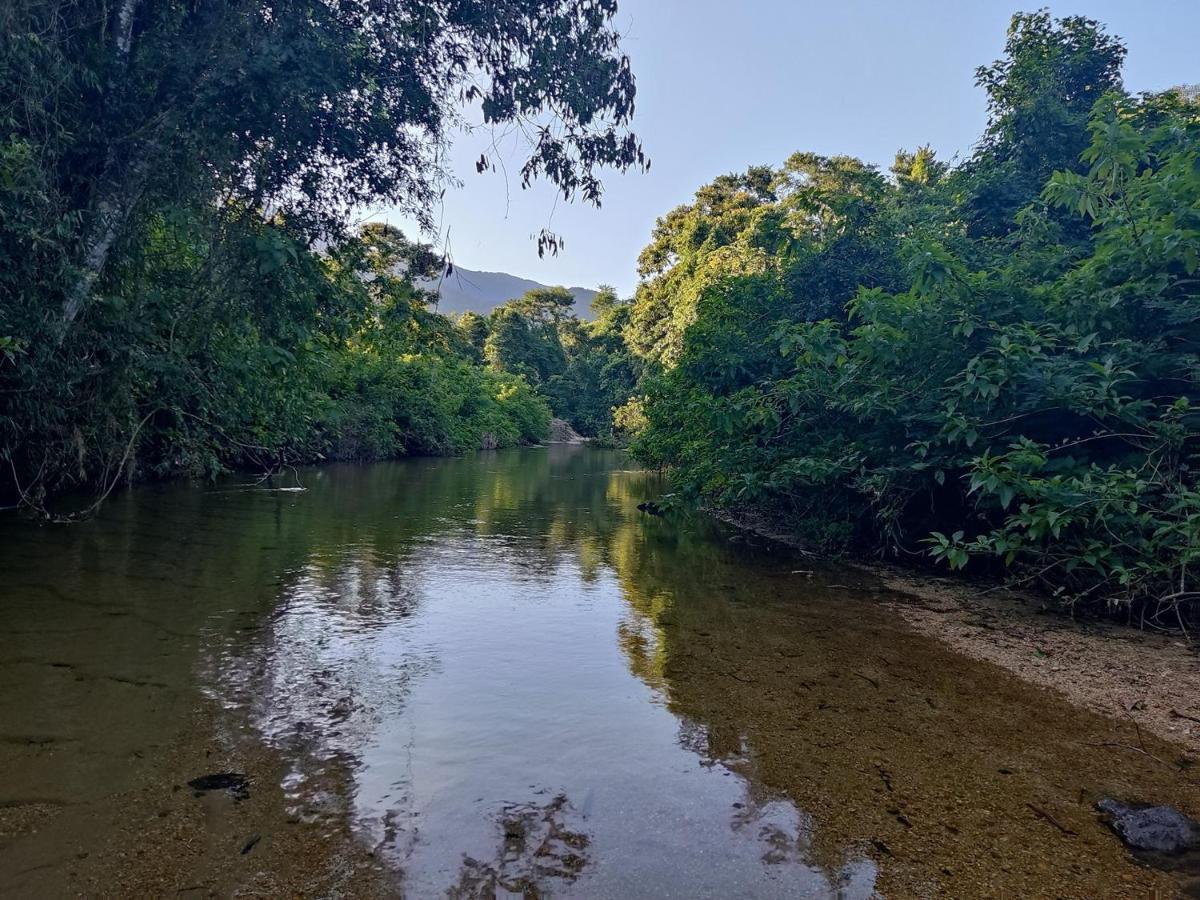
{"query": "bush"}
{"type": "Point", "coordinates": [1032, 402]}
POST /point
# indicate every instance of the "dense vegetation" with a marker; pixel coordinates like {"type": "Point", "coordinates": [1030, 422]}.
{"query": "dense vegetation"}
{"type": "Point", "coordinates": [582, 368]}
{"type": "Point", "coordinates": [179, 292]}
{"type": "Point", "coordinates": [993, 364]}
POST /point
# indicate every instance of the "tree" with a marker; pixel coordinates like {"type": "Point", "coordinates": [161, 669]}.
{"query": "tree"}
{"type": "Point", "coordinates": [523, 346]}
{"type": "Point", "coordinates": [810, 231]}
{"type": "Point", "coordinates": [995, 365]}
{"type": "Point", "coordinates": [604, 303]}
{"type": "Point", "coordinates": [1040, 94]}
{"type": "Point", "coordinates": [546, 305]}
{"type": "Point", "coordinates": [682, 257]}
{"type": "Point", "coordinates": [168, 171]}
{"type": "Point", "coordinates": [307, 107]}
{"type": "Point", "coordinates": [473, 328]}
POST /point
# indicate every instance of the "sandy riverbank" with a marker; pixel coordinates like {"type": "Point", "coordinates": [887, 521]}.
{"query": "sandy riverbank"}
{"type": "Point", "coordinates": [1147, 678]}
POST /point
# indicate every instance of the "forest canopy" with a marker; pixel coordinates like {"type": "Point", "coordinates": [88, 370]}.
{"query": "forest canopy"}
{"type": "Point", "coordinates": [181, 292]}
{"type": "Point", "coordinates": [993, 364]}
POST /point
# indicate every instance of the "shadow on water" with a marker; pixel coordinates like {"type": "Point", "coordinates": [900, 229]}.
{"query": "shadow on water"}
{"type": "Point", "coordinates": [493, 676]}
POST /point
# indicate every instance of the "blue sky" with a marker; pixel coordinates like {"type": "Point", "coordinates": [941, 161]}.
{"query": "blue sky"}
{"type": "Point", "coordinates": [723, 85]}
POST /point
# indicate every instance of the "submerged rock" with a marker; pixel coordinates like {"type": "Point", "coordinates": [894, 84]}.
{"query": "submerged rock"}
{"type": "Point", "coordinates": [235, 782]}
{"type": "Point", "coordinates": [1154, 829]}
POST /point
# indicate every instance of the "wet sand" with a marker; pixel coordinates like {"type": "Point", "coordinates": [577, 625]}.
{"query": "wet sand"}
{"type": "Point", "coordinates": [1141, 676]}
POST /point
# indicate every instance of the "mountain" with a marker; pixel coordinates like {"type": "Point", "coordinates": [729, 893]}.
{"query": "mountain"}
{"type": "Point", "coordinates": [481, 292]}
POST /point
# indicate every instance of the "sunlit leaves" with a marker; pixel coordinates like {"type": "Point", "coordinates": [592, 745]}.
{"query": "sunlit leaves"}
{"type": "Point", "coordinates": [1030, 406]}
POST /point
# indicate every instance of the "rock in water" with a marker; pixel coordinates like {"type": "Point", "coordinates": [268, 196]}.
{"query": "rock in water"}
{"type": "Point", "coordinates": [235, 783]}
{"type": "Point", "coordinates": [561, 432]}
{"type": "Point", "coordinates": [1154, 829]}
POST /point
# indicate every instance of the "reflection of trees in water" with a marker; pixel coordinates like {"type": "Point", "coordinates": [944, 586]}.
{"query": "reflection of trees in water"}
{"type": "Point", "coordinates": [287, 600]}
{"type": "Point", "coordinates": [640, 638]}
{"type": "Point", "coordinates": [317, 678]}
{"type": "Point", "coordinates": [536, 853]}
{"type": "Point", "coordinates": [896, 746]}
{"type": "Point", "coordinates": [683, 593]}
{"type": "Point", "coordinates": [562, 503]}
{"type": "Point", "coordinates": [318, 675]}
{"type": "Point", "coordinates": [312, 668]}
{"type": "Point", "coordinates": [531, 509]}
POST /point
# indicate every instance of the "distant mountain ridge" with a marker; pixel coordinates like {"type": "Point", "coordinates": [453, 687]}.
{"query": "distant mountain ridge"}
{"type": "Point", "coordinates": [466, 290]}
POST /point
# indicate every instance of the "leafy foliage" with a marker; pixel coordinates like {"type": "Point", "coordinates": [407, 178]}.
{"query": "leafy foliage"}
{"type": "Point", "coordinates": [930, 365]}
{"type": "Point", "coordinates": [179, 291]}
{"type": "Point", "coordinates": [582, 368]}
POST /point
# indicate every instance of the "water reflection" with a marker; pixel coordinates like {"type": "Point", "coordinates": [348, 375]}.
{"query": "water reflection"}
{"type": "Point", "coordinates": [536, 848]}
{"type": "Point", "coordinates": [455, 655]}
{"type": "Point", "coordinates": [500, 679]}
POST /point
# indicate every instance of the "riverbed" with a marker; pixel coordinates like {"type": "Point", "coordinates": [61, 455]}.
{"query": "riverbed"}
{"type": "Point", "coordinates": [495, 676]}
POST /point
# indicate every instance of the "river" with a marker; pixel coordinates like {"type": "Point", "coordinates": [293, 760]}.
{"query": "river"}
{"type": "Point", "coordinates": [494, 676]}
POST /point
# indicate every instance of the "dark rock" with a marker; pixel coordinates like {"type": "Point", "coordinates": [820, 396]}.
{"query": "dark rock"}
{"type": "Point", "coordinates": [236, 783]}
{"type": "Point", "coordinates": [1154, 829]}
{"type": "Point", "coordinates": [650, 508]}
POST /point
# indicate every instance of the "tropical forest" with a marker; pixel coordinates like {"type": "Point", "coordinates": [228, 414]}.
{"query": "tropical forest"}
{"type": "Point", "coordinates": [849, 548]}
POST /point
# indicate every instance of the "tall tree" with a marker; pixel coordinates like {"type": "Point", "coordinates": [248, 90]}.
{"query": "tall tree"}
{"type": "Point", "coordinates": [305, 107]}
{"type": "Point", "coordinates": [1040, 94]}
{"type": "Point", "coordinates": [546, 305]}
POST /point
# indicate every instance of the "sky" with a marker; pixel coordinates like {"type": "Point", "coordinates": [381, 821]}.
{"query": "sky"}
{"type": "Point", "coordinates": [725, 85]}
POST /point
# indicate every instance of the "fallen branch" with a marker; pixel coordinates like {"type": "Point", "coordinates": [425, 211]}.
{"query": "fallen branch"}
{"type": "Point", "coordinates": [1042, 814]}
{"type": "Point", "coordinates": [867, 678]}
{"type": "Point", "coordinates": [1172, 766]}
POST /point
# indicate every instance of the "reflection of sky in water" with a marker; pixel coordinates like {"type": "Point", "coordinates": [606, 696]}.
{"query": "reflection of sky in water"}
{"type": "Point", "coordinates": [473, 695]}
{"type": "Point", "coordinates": [506, 677]}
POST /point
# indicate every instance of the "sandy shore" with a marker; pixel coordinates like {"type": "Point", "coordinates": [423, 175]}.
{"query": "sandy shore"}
{"type": "Point", "coordinates": [1149, 679]}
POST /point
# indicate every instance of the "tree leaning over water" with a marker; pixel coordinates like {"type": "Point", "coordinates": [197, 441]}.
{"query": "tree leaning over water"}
{"type": "Point", "coordinates": [208, 144]}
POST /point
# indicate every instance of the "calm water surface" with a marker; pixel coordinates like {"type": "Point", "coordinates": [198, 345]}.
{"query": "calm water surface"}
{"type": "Point", "coordinates": [494, 677]}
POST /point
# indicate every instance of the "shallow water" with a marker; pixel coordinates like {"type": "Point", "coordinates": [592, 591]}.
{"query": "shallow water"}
{"type": "Point", "coordinates": [493, 676]}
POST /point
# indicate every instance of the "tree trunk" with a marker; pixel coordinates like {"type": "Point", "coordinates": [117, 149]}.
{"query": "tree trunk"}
{"type": "Point", "coordinates": [107, 220]}
{"type": "Point", "coordinates": [125, 29]}
{"type": "Point", "coordinates": [115, 194]}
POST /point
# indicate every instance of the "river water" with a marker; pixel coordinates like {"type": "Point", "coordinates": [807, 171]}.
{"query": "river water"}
{"type": "Point", "coordinates": [494, 676]}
